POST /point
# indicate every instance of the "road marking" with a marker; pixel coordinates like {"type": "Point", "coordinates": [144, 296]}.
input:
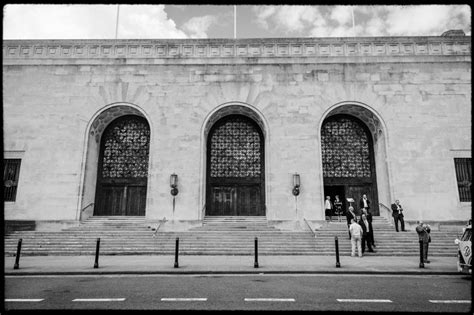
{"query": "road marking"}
{"type": "Point", "coordinates": [450, 301]}
{"type": "Point", "coordinates": [100, 300]}
{"type": "Point", "coordinates": [182, 299]}
{"type": "Point", "coordinates": [268, 300]}
{"type": "Point", "coordinates": [24, 300]}
{"type": "Point", "coordinates": [365, 300]}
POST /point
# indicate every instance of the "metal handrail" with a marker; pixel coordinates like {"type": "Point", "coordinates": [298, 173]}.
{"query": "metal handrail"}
{"type": "Point", "coordinates": [388, 210]}
{"type": "Point", "coordinates": [159, 225]}
{"type": "Point", "coordinates": [202, 211]}
{"type": "Point", "coordinates": [385, 207]}
{"type": "Point", "coordinates": [87, 206]}
{"type": "Point", "coordinates": [310, 228]}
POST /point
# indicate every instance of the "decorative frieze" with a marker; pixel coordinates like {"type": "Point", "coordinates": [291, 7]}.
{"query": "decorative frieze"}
{"type": "Point", "coordinates": [198, 48]}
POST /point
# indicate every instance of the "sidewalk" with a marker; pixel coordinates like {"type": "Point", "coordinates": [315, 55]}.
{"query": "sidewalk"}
{"type": "Point", "coordinates": [144, 264]}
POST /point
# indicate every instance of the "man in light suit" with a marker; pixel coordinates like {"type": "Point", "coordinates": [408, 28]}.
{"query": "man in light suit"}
{"type": "Point", "coordinates": [397, 214]}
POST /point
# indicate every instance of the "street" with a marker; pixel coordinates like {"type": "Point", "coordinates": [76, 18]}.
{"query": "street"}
{"type": "Point", "coordinates": [348, 292]}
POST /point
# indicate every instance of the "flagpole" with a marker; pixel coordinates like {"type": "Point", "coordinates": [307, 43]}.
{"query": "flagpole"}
{"type": "Point", "coordinates": [117, 21]}
{"type": "Point", "coordinates": [353, 21]}
{"type": "Point", "coordinates": [235, 21]}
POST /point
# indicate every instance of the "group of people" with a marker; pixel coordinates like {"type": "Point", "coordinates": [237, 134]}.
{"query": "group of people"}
{"type": "Point", "coordinates": [360, 228]}
{"type": "Point", "coordinates": [333, 208]}
{"type": "Point", "coordinates": [361, 232]}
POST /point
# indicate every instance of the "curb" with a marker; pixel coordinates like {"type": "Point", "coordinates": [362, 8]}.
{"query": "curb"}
{"type": "Point", "coordinates": [230, 272]}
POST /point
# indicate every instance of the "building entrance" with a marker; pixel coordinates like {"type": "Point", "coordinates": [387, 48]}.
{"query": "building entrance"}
{"type": "Point", "coordinates": [123, 168]}
{"type": "Point", "coordinates": [235, 168]}
{"type": "Point", "coordinates": [348, 161]}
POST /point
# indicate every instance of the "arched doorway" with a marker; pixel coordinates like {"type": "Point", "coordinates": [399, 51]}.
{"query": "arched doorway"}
{"type": "Point", "coordinates": [348, 160]}
{"type": "Point", "coordinates": [235, 178]}
{"type": "Point", "coordinates": [123, 167]}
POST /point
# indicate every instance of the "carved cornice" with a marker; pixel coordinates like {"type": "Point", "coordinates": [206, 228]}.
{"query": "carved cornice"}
{"type": "Point", "coordinates": [241, 48]}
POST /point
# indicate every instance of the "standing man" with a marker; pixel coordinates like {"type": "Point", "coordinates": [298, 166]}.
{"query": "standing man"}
{"type": "Point", "coordinates": [356, 237]}
{"type": "Point", "coordinates": [397, 214]}
{"type": "Point", "coordinates": [328, 208]}
{"type": "Point", "coordinates": [364, 203]}
{"type": "Point", "coordinates": [423, 231]}
{"type": "Point", "coordinates": [366, 230]}
{"type": "Point", "coordinates": [371, 231]}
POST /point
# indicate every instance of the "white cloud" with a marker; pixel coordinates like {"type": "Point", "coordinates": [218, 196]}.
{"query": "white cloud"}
{"type": "Point", "coordinates": [197, 27]}
{"type": "Point", "coordinates": [87, 22]}
{"type": "Point", "coordinates": [426, 20]}
{"type": "Point", "coordinates": [287, 18]}
{"type": "Point", "coordinates": [147, 21]}
{"type": "Point", "coordinates": [342, 14]}
{"type": "Point", "coordinates": [263, 13]}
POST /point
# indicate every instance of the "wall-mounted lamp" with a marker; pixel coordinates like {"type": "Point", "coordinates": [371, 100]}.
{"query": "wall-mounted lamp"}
{"type": "Point", "coordinates": [174, 184]}
{"type": "Point", "coordinates": [296, 184]}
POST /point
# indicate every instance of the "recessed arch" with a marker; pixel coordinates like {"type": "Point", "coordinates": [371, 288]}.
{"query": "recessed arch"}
{"type": "Point", "coordinates": [93, 135]}
{"type": "Point", "coordinates": [379, 185]}
{"type": "Point", "coordinates": [219, 115]}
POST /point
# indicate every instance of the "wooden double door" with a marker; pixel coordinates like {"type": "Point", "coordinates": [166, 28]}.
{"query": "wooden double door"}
{"type": "Point", "coordinates": [123, 168]}
{"type": "Point", "coordinates": [235, 172]}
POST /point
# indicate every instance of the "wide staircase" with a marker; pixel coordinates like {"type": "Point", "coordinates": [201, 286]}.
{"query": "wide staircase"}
{"type": "Point", "coordinates": [388, 242]}
{"type": "Point", "coordinates": [131, 236]}
{"type": "Point", "coordinates": [218, 236]}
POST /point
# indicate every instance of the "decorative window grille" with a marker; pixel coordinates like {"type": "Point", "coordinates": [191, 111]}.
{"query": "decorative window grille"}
{"type": "Point", "coordinates": [235, 150]}
{"type": "Point", "coordinates": [463, 168]}
{"type": "Point", "coordinates": [11, 173]}
{"type": "Point", "coordinates": [125, 148]}
{"type": "Point", "coordinates": [345, 149]}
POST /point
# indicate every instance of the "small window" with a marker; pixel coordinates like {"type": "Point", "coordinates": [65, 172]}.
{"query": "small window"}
{"type": "Point", "coordinates": [11, 174]}
{"type": "Point", "coordinates": [464, 177]}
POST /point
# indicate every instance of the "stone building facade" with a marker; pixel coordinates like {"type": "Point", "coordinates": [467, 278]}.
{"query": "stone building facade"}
{"type": "Point", "coordinates": [235, 120]}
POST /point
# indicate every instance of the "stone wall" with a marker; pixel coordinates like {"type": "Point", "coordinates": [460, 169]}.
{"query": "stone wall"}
{"type": "Point", "coordinates": [417, 88]}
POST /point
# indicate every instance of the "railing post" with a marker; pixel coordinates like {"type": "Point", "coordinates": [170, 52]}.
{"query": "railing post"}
{"type": "Point", "coordinates": [97, 246]}
{"type": "Point", "coordinates": [176, 253]}
{"type": "Point", "coordinates": [255, 264]}
{"type": "Point", "coordinates": [18, 251]}
{"type": "Point", "coordinates": [422, 264]}
{"type": "Point", "coordinates": [338, 264]}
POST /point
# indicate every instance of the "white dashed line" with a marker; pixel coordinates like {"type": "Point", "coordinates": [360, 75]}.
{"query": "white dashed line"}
{"type": "Point", "coordinates": [268, 300]}
{"type": "Point", "coordinates": [183, 299]}
{"type": "Point", "coordinates": [100, 300]}
{"type": "Point", "coordinates": [365, 300]}
{"type": "Point", "coordinates": [24, 300]}
{"type": "Point", "coordinates": [450, 301]}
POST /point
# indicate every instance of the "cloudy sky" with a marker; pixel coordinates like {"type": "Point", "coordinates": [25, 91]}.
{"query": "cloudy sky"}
{"type": "Point", "coordinates": [217, 21]}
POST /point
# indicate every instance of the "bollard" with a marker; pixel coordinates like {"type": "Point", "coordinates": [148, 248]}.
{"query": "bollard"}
{"type": "Point", "coordinates": [176, 253]}
{"type": "Point", "coordinates": [422, 264]}
{"type": "Point", "coordinates": [17, 259]}
{"type": "Point", "coordinates": [255, 264]}
{"type": "Point", "coordinates": [96, 263]}
{"type": "Point", "coordinates": [338, 264]}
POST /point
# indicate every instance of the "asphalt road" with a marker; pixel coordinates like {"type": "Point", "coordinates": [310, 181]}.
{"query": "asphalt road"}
{"type": "Point", "coordinates": [381, 293]}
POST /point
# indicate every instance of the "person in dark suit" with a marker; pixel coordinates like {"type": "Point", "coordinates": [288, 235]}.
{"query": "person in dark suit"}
{"type": "Point", "coordinates": [364, 202]}
{"type": "Point", "coordinates": [397, 214]}
{"type": "Point", "coordinates": [366, 229]}
{"type": "Point", "coordinates": [350, 215]}
{"type": "Point", "coordinates": [371, 230]}
{"type": "Point", "coordinates": [423, 231]}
